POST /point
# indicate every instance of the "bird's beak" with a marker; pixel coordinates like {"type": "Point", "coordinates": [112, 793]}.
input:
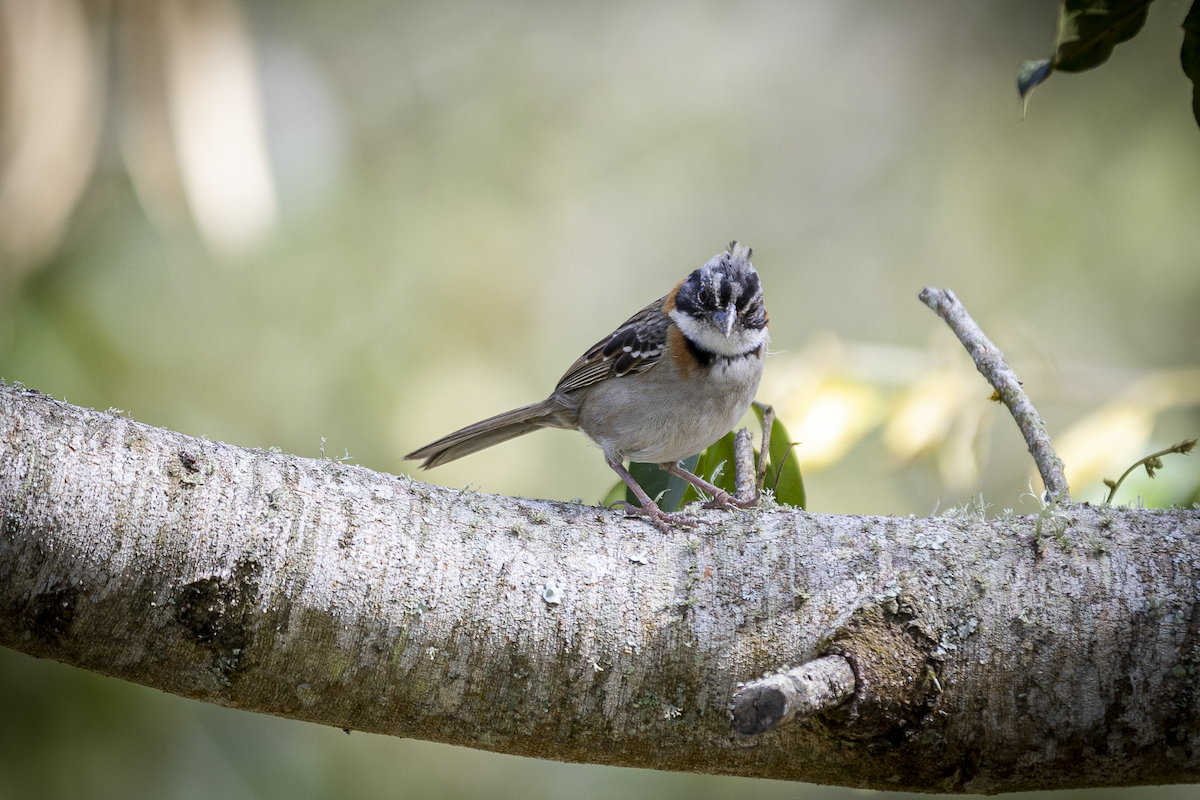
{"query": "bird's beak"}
{"type": "Point", "coordinates": [725, 318]}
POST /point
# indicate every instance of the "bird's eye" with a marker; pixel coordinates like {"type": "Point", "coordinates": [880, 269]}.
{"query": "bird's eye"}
{"type": "Point", "coordinates": [702, 295]}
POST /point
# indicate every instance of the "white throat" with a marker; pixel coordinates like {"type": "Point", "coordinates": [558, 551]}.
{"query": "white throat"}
{"type": "Point", "coordinates": [743, 341]}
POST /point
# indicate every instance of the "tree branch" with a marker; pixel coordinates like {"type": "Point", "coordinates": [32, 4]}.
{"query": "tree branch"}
{"type": "Point", "coordinates": [329, 593]}
{"type": "Point", "coordinates": [992, 365]}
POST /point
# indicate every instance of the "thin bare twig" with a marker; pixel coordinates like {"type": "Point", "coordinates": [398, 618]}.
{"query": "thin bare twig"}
{"type": "Point", "coordinates": [1151, 462]}
{"type": "Point", "coordinates": [993, 366]}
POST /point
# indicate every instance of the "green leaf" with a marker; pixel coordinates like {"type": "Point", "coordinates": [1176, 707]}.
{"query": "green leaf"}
{"type": "Point", "coordinates": [788, 485]}
{"type": "Point", "coordinates": [1088, 30]}
{"type": "Point", "coordinates": [1190, 55]}
{"type": "Point", "coordinates": [717, 455]}
{"type": "Point", "coordinates": [655, 481]}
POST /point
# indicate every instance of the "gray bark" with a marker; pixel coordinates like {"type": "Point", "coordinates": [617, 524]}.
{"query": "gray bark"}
{"type": "Point", "coordinates": [1018, 653]}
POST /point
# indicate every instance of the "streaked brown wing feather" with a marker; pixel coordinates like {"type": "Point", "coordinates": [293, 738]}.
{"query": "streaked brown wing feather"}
{"type": "Point", "coordinates": [635, 346]}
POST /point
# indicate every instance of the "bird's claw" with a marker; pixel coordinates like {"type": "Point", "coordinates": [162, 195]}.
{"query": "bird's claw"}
{"type": "Point", "coordinates": [726, 500]}
{"type": "Point", "coordinates": [663, 520]}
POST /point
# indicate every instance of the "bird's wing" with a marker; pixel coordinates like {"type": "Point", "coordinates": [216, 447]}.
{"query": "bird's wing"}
{"type": "Point", "coordinates": [635, 346]}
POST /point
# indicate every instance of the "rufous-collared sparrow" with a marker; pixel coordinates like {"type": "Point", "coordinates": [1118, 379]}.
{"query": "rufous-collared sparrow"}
{"type": "Point", "coordinates": [669, 382]}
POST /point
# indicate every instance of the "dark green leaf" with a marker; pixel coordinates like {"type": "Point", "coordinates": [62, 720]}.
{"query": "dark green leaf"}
{"type": "Point", "coordinates": [783, 471]}
{"type": "Point", "coordinates": [1088, 30]}
{"type": "Point", "coordinates": [655, 481]}
{"type": "Point", "coordinates": [1190, 55]}
{"type": "Point", "coordinates": [788, 485]}
{"type": "Point", "coordinates": [717, 455]}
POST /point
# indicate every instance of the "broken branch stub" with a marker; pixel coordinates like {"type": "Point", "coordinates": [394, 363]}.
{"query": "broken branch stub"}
{"type": "Point", "coordinates": [878, 677]}
{"type": "Point", "coordinates": [743, 457]}
{"type": "Point", "coordinates": [778, 699]}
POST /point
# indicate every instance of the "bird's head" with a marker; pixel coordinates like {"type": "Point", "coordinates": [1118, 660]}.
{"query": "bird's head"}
{"type": "Point", "coordinates": [720, 306]}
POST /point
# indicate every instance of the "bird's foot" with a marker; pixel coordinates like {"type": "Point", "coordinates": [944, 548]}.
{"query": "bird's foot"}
{"type": "Point", "coordinates": [720, 497]}
{"type": "Point", "coordinates": [723, 499]}
{"type": "Point", "coordinates": [663, 520]}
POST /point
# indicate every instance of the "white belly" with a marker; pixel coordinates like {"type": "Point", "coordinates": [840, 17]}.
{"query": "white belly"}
{"type": "Point", "coordinates": [657, 417]}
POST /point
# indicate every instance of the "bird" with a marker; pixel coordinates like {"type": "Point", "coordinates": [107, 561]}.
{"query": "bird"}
{"type": "Point", "coordinates": [670, 381]}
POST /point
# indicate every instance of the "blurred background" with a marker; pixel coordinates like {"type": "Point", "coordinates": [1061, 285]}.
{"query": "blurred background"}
{"type": "Point", "coordinates": [361, 225]}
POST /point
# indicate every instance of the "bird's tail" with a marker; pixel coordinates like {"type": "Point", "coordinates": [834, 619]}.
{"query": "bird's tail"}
{"type": "Point", "coordinates": [494, 430]}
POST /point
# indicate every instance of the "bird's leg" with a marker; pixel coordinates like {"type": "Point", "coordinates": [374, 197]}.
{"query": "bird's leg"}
{"type": "Point", "coordinates": [662, 520]}
{"type": "Point", "coordinates": [720, 497]}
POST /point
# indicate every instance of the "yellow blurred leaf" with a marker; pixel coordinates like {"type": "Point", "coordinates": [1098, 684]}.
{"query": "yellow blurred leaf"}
{"type": "Point", "coordinates": [1107, 441]}
{"type": "Point", "coordinates": [829, 421]}
{"type": "Point", "coordinates": [924, 414]}
{"type": "Point", "coordinates": [1104, 442]}
{"type": "Point", "coordinates": [961, 457]}
{"type": "Point", "coordinates": [945, 411]}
